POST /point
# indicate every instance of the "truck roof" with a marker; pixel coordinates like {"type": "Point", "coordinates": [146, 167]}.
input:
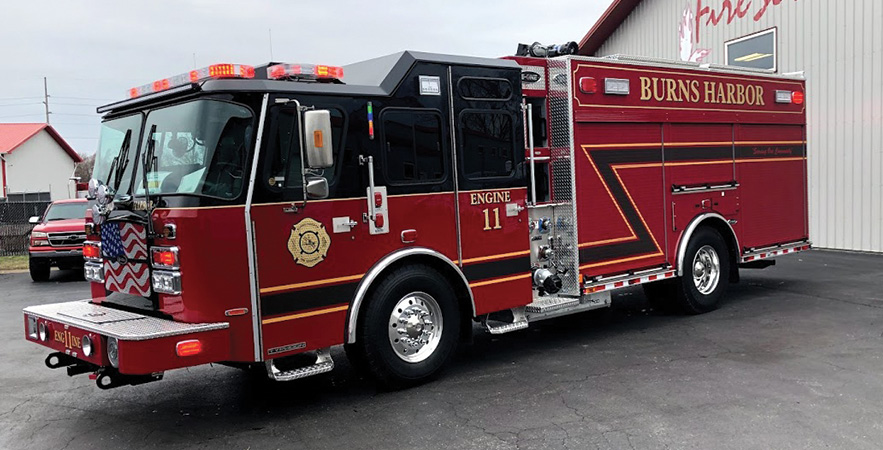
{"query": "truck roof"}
{"type": "Point", "coordinates": [373, 77]}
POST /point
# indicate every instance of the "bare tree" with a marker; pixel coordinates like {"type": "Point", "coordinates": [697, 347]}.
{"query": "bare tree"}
{"type": "Point", "coordinates": [84, 169]}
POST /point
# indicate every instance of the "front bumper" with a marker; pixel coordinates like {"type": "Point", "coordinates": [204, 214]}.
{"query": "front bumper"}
{"type": "Point", "coordinates": [145, 344]}
{"type": "Point", "coordinates": [72, 256]}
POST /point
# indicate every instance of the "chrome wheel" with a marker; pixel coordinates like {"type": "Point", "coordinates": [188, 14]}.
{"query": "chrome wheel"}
{"type": "Point", "coordinates": [415, 327]}
{"type": "Point", "coordinates": [706, 270]}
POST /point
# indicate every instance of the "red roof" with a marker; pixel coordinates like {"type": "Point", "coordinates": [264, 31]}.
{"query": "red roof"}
{"type": "Point", "coordinates": [12, 135]}
{"type": "Point", "coordinates": [606, 25]}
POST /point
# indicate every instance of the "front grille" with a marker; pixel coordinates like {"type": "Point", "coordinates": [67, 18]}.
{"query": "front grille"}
{"type": "Point", "coordinates": [66, 239]}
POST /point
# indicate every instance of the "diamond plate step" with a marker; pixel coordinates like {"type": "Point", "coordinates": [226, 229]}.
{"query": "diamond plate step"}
{"type": "Point", "coordinates": [549, 304]}
{"type": "Point", "coordinates": [507, 328]}
{"type": "Point", "coordinates": [323, 364]}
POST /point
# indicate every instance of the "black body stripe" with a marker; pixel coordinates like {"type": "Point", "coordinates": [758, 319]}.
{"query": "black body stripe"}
{"type": "Point", "coordinates": [496, 269]}
{"type": "Point", "coordinates": [304, 299]}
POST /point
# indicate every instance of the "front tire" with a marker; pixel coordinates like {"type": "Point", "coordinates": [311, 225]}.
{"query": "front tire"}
{"type": "Point", "coordinates": [409, 328]}
{"type": "Point", "coordinates": [706, 272]}
{"type": "Point", "coordinates": [39, 270]}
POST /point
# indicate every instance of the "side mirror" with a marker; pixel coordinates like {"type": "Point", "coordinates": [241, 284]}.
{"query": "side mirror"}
{"type": "Point", "coordinates": [317, 188]}
{"type": "Point", "coordinates": [34, 220]}
{"type": "Point", "coordinates": [317, 134]}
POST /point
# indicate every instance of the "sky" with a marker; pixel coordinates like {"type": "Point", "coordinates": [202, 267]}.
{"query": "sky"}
{"type": "Point", "coordinates": [92, 52]}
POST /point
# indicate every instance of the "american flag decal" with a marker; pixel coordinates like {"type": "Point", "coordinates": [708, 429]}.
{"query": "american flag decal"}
{"type": "Point", "coordinates": [123, 239]}
{"type": "Point", "coordinates": [128, 240]}
{"type": "Point", "coordinates": [129, 278]}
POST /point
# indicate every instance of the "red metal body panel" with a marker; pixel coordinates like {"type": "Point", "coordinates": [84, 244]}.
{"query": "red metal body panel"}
{"type": "Point", "coordinates": [678, 129]}
{"type": "Point", "coordinates": [305, 307]}
{"type": "Point", "coordinates": [215, 347]}
{"type": "Point", "coordinates": [68, 339]}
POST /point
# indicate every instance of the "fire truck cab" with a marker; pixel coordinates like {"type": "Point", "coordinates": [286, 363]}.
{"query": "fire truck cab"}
{"type": "Point", "coordinates": [246, 215]}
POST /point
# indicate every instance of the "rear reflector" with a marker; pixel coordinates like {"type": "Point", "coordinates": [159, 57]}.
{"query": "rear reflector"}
{"type": "Point", "coordinates": [188, 348]}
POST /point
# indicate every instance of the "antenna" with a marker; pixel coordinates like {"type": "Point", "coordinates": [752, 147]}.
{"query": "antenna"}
{"type": "Point", "coordinates": [270, 30]}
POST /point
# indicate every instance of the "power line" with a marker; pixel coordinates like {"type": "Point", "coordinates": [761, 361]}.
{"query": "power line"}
{"type": "Point", "coordinates": [20, 98]}
{"type": "Point", "coordinates": [84, 98]}
{"type": "Point", "coordinates": [19, 104]}
{"type": "Point", "coordinates": [20, 115]}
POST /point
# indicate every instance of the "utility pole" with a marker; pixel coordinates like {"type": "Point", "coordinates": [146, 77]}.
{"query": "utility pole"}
{"type": "Point", "coordinates": [46, 98]}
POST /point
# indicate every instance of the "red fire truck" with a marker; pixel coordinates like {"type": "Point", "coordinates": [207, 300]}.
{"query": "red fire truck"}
{"type": "Point", "coordinates": [262, 215]}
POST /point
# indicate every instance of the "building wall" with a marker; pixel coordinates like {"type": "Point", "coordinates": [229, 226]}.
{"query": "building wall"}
{"type": "Point", "coordinates": [40, 165]}
{"type": "Point", "coordinates": [839, 46]}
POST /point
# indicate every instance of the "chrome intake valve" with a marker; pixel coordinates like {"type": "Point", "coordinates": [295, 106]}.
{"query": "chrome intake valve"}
{"type": "Point", "coordinates": [547, 280]}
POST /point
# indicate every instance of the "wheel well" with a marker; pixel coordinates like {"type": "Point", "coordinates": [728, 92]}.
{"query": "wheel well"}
{"type": "Point", "coordinates": [461, 289]}
{"type": "Point", "coordinates": [726, 232]}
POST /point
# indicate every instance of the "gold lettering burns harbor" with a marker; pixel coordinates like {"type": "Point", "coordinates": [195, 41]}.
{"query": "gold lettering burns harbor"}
{"type": "Point", "coordinates": [695, 91]}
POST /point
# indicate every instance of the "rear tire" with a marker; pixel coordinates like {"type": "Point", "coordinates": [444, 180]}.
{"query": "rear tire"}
{"type": "Point", "coordinates": [39, 270]}
{"type": "Point", "coordinates": [706, 268]}
{"type": "Point", "coordinates": [409, 328]}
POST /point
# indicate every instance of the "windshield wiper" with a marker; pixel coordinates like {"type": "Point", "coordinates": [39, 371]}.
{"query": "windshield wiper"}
{"type": "Point", "coordinates": [122, 161]}
{"type": "Point", "coordinates": [116, 159]}
{"type": "Point", "coordinates": [147, 161]}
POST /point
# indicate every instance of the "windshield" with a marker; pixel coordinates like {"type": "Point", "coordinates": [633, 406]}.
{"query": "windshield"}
{"type": "Point", "coordinates": [113, 136]}
{"type": "Point", "coordinates": [198, 148]}
{"type": "Point", "coordinates": [61, 211]}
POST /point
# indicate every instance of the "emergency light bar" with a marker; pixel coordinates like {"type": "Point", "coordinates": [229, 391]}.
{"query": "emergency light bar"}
{"type": "Point", "coordinates": [305, 71]}
{"type": "Point", "coordinates": [212, 71]}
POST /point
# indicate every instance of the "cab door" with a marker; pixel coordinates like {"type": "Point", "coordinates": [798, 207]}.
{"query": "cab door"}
{"type": "Point", "coordinates": [491, 187]}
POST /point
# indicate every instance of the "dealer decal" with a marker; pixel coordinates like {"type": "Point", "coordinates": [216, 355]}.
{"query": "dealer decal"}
{"type": "Point", "coordinates": [308, 242]}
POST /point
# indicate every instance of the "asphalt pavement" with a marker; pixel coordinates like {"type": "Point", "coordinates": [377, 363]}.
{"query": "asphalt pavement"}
{"type": "Point", "coordinates": [792, 359]}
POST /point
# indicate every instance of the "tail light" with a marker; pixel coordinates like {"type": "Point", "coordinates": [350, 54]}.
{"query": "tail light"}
{"type": "Point", "coordinates": [188, 348]}
{"type": "Point", "coordinates": [92, 251]}
{"type": "Point", "coordinates": [164, 257]}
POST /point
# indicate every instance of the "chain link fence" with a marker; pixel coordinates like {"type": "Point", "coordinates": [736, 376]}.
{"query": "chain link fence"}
{"type": "Point", "coordinates": [14, 226]}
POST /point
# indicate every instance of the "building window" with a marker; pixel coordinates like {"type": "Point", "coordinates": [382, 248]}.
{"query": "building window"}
{"type": "Point", "coordinates": [757, 51]}
{"type": "Point", "coordinates": [413, 146]}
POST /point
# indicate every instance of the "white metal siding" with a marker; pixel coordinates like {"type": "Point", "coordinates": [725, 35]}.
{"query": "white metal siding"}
{"type": "Point", "coordinates": [40, 165]}
{"type": "Point", "coordinates": [839, 44]}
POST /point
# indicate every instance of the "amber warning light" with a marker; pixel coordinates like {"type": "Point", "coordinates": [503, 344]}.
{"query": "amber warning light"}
{"type": "Point", "coordinates": [212, 71]}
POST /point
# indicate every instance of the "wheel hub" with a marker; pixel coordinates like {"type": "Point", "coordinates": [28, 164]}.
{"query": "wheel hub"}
{"type": "Point", "coordinates": [415, 327]}
{"type": "Point", "coordinates": [706, 269]}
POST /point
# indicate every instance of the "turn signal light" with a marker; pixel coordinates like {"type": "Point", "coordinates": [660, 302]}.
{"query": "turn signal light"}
{"type": "Point", "coordinates": [91, 250]}
{"type": "Point", "coordinates": [165, 257]}
{"type": "Point", "coordinates": [188, 348]}
{"type": "Point", "coordinates": [588, 85]}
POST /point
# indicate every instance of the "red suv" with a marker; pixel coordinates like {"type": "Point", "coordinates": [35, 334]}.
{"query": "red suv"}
{"type": "Point", "coordinates": [57, 239]}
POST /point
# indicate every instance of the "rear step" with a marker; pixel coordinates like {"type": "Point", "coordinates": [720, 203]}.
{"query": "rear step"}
{"type": "Point", "coordinates": [323, 364]}
{"type": "Point", "coordinates": [549, 304]}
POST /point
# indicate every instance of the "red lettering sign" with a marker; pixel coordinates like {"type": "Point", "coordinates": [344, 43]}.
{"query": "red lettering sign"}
{"type": "Point", "coordinates": [729, 10]}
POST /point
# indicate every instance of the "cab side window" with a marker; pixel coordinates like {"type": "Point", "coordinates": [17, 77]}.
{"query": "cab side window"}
{"type": "Point", "coordinates": [488, 140]}
{"type": "Point", "coordinates": [282, 164]}
{"type": "Point", "coordinates": [412, 150]}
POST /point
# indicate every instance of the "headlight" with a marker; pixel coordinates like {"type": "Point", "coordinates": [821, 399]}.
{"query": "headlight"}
{"type": "Point", "coordinates": [44, 333]}
{"type": "Point", "coordinates": [39, 235]}
{"type": "Point", "coordinates": [113, 352]}
{"type": "Point", "coordinates": [87, 345]}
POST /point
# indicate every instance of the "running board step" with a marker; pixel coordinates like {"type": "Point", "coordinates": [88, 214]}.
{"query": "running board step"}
{"type": "Point", "coordinates": [519, 322]}
{"type": "Point", "coordinates": [323, 364]}
{"type": "Point", "coordinates": [507, 328]}
{"type": "Point", "coordinates": [550, 304]}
